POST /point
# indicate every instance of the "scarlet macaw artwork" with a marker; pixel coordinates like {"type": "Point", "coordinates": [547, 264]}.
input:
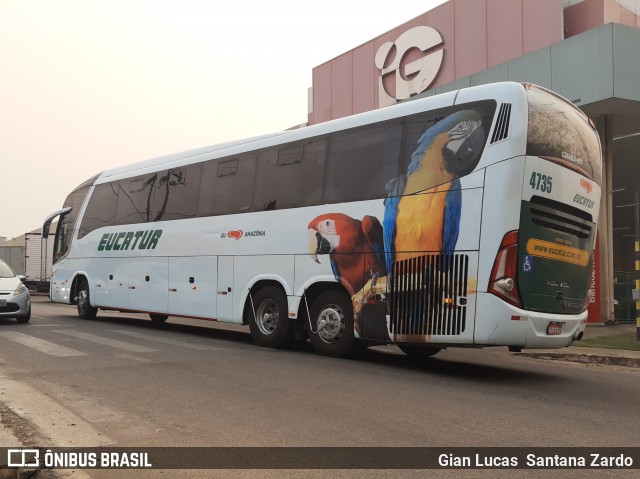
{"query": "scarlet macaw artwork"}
{"type": "Point", "coordinates": [354, 247]}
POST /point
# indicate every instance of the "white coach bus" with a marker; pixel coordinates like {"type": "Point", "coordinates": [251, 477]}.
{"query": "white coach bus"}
{"type": "Point", "coordinates": [462, 219]}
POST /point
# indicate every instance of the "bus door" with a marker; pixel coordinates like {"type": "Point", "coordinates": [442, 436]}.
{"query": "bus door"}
{"type": "Point", "coordinates": [225, 288]}
{"type": "Point", "coordinates": [193, 286]}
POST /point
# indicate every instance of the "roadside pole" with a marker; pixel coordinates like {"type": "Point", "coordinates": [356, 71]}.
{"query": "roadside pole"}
{"type": "Point", "coordinates": [636, 291]}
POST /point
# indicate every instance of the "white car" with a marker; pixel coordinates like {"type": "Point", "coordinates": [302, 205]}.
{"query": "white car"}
{"type": "Point", "coordinates": [15, 301]}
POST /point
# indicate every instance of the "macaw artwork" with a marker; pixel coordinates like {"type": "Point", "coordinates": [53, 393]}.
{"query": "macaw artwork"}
{"type": "Point", "coordinates": [422, 214]}
{"type": "Point", "coordinates": [355, 250]}
{"type": "Point", "coordinates": [355, 247]}
{"type": "Point", "coordinates": [422, 211]}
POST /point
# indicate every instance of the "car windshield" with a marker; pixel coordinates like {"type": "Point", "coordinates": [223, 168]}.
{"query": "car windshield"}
{"type": "Point", "coordinates": [6, 271]}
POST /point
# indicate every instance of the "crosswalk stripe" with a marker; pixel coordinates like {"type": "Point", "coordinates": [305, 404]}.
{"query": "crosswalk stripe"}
{"type": "Point", "coordinates": [113, 343]}
{"type": "Point", "coordinates": [41, 345]}
{"type": "Point", "coordinates": [173, 342]}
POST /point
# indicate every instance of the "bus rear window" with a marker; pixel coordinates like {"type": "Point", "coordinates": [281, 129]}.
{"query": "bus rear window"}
{"type": "Point", "coordinates": [560, 132]}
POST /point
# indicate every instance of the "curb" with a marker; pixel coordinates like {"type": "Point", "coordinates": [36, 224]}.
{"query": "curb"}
{"type": "Point", "coordinates": [587, 358]}
{"type": "Point", "coordinates": [17, 473]}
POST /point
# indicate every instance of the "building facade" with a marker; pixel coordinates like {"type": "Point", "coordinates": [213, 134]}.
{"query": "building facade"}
{"type": "Point", "coordinates": [586, 50]}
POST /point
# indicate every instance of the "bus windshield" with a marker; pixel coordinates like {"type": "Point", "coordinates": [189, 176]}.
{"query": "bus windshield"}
{"type": "Point", "coordinates": [66, 224]}
{"type": "Point", "coordinates": [561, 133]}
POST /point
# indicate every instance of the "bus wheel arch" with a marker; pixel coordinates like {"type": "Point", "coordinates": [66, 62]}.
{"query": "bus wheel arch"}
{"type": "Point", "coordinates": [330, 327]}
{"type": "Point", "coordinates": [81, 296]}
{"type": "Point", "coordinates": [266, 311]}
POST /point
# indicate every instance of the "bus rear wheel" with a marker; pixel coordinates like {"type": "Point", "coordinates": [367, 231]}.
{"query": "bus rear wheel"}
{"type": "Point", "coordinates": [85, 310]}
{"type": "Point", "coordinates": [269, 321]}
{"type": "Point", "coordinates": [330, 327]}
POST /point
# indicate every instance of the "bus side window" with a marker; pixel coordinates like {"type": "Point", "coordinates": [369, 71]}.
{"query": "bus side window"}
{"type": "Point", "coordinates": [310, 185]}
{"type": "Point", "coordinates": [226, 186]}
{"type": "Point", "coordinates": [101, 210]}
{"type": "Point", "coordinates": [175, 194]}
{"type": "Point", "coordinates": [291, 176]}
{"type": "Point", "coordinates": [478, 116]}
{"type": "Point", "coordinates": [134, 199]}
{"type": "Point", "coordinates": [267, 182]}
{"type": "Point", "coordinates": [362, 161]}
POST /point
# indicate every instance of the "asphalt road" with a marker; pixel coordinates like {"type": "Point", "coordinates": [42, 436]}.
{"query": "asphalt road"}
{"type": "Point", "coordinates": [121, 380]}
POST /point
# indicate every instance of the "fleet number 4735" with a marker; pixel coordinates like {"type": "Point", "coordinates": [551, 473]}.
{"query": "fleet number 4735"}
{"type": "Point", "coordinates": [540, 182]}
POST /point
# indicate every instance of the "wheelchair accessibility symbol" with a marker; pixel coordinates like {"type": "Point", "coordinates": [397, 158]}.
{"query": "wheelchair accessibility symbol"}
{"type": "Point", "coordinates": [527, 264]}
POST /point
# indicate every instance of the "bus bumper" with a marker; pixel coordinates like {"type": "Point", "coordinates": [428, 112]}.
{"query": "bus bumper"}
{"type": "Point", "coordinates": [506, 325]}
{"type": "Point", "coordinates": [60, 291]}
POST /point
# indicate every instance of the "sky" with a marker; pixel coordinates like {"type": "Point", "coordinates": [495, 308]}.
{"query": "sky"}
{"type": "Point", "coordinates": [89, 85]}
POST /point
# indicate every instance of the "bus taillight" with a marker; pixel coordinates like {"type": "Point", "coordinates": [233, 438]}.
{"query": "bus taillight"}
{"type": "Point", "coordinates": [503, 282]}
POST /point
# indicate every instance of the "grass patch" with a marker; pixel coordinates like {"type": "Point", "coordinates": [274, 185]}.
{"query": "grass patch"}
{"type": "Point", "coordinates": [618, 341]}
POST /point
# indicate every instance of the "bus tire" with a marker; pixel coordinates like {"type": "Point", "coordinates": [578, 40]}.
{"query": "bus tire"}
{"type": "Point", "coordinates": [85, 310]}
{"type": "Point", "coordinates": [158, 318]}
{"type": "Point", "coordinates": [418, 353]}
{"type": "Point", "coordinates": [330, 327]}
{"type": "Point", "coordinates": [269, 322]}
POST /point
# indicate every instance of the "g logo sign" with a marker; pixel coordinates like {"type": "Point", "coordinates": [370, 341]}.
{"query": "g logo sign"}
{"type": "Point", "coordinates": [414, 77]}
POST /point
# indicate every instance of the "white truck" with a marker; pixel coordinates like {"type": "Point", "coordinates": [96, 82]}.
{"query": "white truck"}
{"type": "Point", "coordinates": [31, 256]}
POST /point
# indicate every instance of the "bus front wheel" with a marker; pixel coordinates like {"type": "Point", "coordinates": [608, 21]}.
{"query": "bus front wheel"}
{"type": "Point", "coordinates": [269, 320]}
{"type": "Point", "coordinates": [85, 310]}
{"type": "Point", "coordinates": [158, 318]}
{"type": "Point", "coordinates": [331, 324]}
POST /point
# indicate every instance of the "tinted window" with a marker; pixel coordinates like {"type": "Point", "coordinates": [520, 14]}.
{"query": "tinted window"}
{"type": "Point", "coordinates": [101, 210]}
{"type": "Point", "coordinates": [560, 131]}
{"type": "Point", "coordinates": [226, 186]}
{"type": "Point", "coordinates": [67, 223]}
{"type": "Point", "coordinates": [362, 161]}
{"type": "Point", "coordinates": [175, 193]}
{"type": "Point", "coordinates": [134, 199]}
{"type": "Point", "coordinates": [291, 176]}
{"type": "Point", "coordinates": [445, 145]}
{"type": "Point", "coordinates": [76, 198]}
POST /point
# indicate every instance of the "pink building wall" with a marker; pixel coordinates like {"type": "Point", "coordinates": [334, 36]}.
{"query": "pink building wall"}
{"type": "Point", "coordinates": [476, 34]}
{"type": "Point", "coordinates": [590, 14]}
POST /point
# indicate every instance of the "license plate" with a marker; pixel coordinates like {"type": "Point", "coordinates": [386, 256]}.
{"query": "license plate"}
{"type": "Point", "coordinates": [553, 328]}
{"type": "Point", "coordinates": [3, 303]}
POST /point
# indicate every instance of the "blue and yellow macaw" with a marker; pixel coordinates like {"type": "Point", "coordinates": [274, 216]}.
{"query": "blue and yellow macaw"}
{"type": "Point", "coordinates": [422, 211]}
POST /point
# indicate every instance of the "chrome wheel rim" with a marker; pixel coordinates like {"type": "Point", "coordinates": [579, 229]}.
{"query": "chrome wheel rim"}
{"type": "Point", "coordinates": [82, 300]}
{"type": "Point", "coordinates": [331, 324]}
{"type": "Point", "coordinates": [267, 316]}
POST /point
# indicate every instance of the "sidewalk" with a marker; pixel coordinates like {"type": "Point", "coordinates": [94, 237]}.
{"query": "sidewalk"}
{"type": "Point", "coordinates": [616, 357]}
{"type": "Point", "coordinates": [8, 439]}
